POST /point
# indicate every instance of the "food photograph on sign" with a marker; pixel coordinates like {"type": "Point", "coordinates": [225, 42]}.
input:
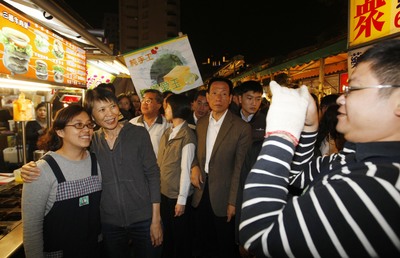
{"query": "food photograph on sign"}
{"type": "Point", "coordinates": [17, 50]}
{"type": "Point", "coordinates": [32, 51]}
{"type": "Point", "coordinates": [167, 66]}
{"type": "Point", "coordinates": [42, 41]}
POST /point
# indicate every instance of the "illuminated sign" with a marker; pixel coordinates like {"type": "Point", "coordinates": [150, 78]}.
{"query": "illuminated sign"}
{"type": "Point", "coordinates": [70, 98]}
{"type": "Point", "coordinates": [96, 76]}
{"type": "Point", "coordinates": [373, 19]}
{"type": "Point", "coordinates": [32, 51]}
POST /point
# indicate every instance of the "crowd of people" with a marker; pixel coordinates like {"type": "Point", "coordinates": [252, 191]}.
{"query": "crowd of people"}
{"type": "Point", "coordinates": [211, 177]}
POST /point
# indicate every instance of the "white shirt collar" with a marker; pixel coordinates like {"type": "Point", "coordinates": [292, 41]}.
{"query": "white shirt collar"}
{"type": "Point", "coordinates": [211, 119]}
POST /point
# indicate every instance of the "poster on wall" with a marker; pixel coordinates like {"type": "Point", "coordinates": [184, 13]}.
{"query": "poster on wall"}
{"type": "Point", "coordinates": [96, 76]}
{"type": "Point", "coordinates": [169, 65]}
{"type": "Point", "coordinates": [371, 20]}
{"type": "Point", "coordinates": [30, 50]}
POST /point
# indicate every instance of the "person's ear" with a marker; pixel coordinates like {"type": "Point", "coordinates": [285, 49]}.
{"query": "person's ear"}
{"type": "Point", "coordinates": [60, 133]}
{"type": "Point", "coordinates": [396, 96]}
{"type": "Point", "coordinates": [397, 109]}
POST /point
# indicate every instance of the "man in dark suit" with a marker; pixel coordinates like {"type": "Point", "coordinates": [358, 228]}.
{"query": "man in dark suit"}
{"type": "Point", "coordinates": [223, 140]}
{"type": "Point", "coordinates": [200, 108]}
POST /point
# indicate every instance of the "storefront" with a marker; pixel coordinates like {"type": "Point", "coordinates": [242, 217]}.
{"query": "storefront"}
{"type": "Point", "coordinates": [39, 63]}
{"type": "Point", "coordinates": [322, 69]}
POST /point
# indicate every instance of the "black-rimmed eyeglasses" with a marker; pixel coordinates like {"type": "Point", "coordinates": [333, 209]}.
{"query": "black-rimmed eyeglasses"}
{"type": "Point", "coordinates": [90, 125]}
{"type": "Point", "coordinates": [348, 89]}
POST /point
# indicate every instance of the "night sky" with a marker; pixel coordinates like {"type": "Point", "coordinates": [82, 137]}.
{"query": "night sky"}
{"type": "Point", "coordinates": [255, 29]}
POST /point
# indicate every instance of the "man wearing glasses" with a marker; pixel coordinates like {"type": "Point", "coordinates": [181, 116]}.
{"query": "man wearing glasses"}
{"type": "Point", "coordinates": [350, 206]}
{"type": "Point", "coordinates": [151, 119]}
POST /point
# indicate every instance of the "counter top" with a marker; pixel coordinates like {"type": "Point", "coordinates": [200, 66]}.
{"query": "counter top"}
{"type": "Point", "coordinates": [11, 242]}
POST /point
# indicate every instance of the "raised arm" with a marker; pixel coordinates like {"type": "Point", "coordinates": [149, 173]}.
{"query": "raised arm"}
{"type": "Point", "coordinates": [265, 191]}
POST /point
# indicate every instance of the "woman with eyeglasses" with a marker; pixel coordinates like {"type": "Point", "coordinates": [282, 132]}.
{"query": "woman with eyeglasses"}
{"type": "Point", "coordinates": [130, 201]}
{"type": "Point", "coordinates": [61, 209]}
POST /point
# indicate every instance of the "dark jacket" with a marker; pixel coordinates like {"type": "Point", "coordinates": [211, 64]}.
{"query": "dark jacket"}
{"type": "Point", "coordinates": [131, 177]}
{"type": "Point", "coordinates": [229, 151]}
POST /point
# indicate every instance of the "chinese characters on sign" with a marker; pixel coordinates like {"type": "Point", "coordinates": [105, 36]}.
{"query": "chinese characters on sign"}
{"type": "Point", "coordinates": [35, 52]}
{"type": "Point", "coordinates": [169, 65]}
{"type": "Point", "coordinates": [373, 19]}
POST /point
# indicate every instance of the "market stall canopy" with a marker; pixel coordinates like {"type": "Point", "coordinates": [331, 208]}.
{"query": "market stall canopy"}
{"type": "Point", "coordinates": [334, 49]}
{"type": "Point", "coordinates": [231, 67]}
{"type": "Point", "coordinates": [332, 64]}
{"type": "Point", "coordinates": [307, 65]}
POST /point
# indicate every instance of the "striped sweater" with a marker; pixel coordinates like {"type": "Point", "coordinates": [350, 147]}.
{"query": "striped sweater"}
{"type": "Point", "coordinates": [350, 206]}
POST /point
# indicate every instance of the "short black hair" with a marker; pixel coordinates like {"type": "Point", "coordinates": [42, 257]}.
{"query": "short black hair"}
{"type": "Point", "coordinates": [237, 91]}
{"type": "Point", "coordinates": [97, 94]}
{"type": "Point", "coordinates": [159, 96]}
{"type": "Point", "coordinates": [328, 100]}
{"type": "Point", "coordinates": [166, 93]}
{"type": "Point", "coordinates": [384, 57]}
{"type": "Point", "coordinates": [199, 93]}
{"type": "Point", "coordinates": [41, 104]}
{"type": "Point", "coordinates": [251, 86]}
{"type": "Point", "coordinates": [180, 105]}
{"type": "Point", "coordinates": [220, 79]}
{"type": "Point", "coordinates": [107, 86]}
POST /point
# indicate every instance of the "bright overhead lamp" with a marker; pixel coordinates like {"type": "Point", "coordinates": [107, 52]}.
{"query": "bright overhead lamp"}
{"type": "Point", "coordinates": [113, 67]}
{"type": "Point", "coordinates": [122, 68]}
{"type": "Point", "coordinates": [24, 85]}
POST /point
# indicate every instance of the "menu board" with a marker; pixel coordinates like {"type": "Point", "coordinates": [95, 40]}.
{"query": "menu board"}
{"type": "Point", "coordinates": [32, 51]}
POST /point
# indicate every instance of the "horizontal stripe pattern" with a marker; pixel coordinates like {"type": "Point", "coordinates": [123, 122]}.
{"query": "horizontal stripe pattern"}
{"type": "Point", "coordinates": [350, 206]}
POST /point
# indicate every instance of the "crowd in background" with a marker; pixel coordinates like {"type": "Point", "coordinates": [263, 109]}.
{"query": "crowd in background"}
{"type": "Point", "coordinates": [222, 172]}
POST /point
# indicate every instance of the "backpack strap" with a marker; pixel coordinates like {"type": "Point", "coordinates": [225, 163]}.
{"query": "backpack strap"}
{"type": "Point", "coordinates": [57, 170]}
{"type": "Point", "coordinates": [55, 167]}
{"type": "Point", "coordinates": [94, 164]}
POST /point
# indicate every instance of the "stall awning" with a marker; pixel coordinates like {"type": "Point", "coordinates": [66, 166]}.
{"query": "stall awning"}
{"type": "Point", "coordinates": [331, 50]}
{"type": "Point", "coordinates": [332, 64]}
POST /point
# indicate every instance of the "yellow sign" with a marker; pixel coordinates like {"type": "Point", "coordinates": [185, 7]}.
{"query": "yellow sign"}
{"type": "Point", "coordinates": [372, 19]}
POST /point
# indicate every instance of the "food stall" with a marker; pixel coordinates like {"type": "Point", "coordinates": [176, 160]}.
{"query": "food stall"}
{"type": "Point", "coordinates": [38, 64]}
